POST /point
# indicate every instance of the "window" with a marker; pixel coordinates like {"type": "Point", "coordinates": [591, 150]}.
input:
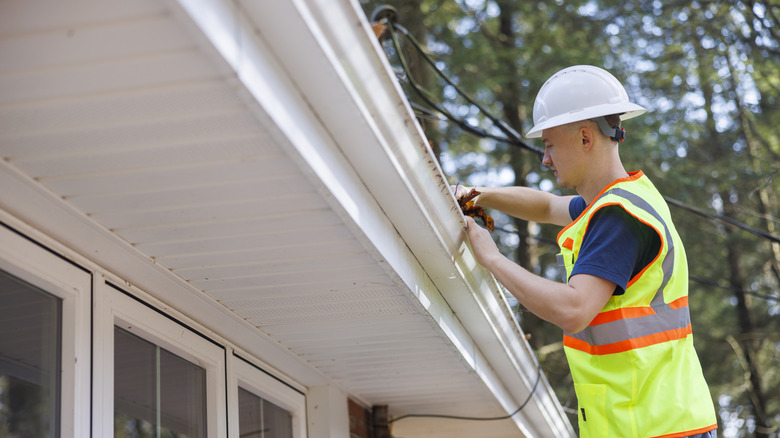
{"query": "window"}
{"type": "Point", "coordinates": [159, 378]}
{"type": "Point", "coordinates": [156, 393]}
{"type": "Point", "coordinates": [30, 349]}
{"type": "Point", "coordinates": [151, 374]}
{"type": "Point", "coordinates": [264, 406]}
{"type": "Point", "coordinates": [44, 341]}
{"type": "Point", "coordinates": [258, 418]}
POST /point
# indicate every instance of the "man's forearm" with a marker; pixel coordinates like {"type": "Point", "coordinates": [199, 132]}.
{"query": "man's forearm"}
{"type": "Point", "coordinates": [526, 203]}
{"type": "Point", "coordinates": [552, 301]}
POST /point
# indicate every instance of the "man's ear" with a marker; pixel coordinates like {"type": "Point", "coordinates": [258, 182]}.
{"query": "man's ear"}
{"type": "Point", "coordinates": [586, 138]}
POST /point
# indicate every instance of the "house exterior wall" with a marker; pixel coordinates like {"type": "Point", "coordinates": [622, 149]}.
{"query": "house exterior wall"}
{"type": "Point", "coordinates": [96, 298]}
{"type": "Point", "coordinates": [95, 304]}
{"type": "Point", "coordinates": [359, 420]}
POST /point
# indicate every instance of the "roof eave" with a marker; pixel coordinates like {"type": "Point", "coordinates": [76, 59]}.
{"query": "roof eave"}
{"type": "Point", "coordinates": [377, 144]}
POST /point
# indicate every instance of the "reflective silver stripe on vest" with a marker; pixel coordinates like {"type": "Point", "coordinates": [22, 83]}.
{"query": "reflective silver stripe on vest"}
{"type": "Point", "coordinates": [665, 317]}
{"type": "Point", "coordinates": [562, 266]}
{"type": "Point", "coordinates": [668, 263]}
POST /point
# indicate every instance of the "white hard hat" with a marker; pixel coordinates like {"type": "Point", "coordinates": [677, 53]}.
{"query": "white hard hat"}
{"type": "Point", "coordinates": [580, 92]}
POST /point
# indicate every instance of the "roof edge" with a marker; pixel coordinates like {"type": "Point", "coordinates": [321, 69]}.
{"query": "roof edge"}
{"type": "Point", "coordinates": [474, 295]}
{"type": "Point", "coordinates": [375, 132]}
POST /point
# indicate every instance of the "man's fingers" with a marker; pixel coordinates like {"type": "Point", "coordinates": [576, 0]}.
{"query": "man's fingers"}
{"type": "Point", "coordinates": [471, 224]}
{"type": "Point", "coordinates": [468, 222]}
{"type": "Point", "coordinates": [459, 190]}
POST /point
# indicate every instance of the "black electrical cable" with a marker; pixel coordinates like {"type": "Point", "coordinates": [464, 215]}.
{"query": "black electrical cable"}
{"type": "Point", "coordinates": [424, 95]}
{"type": "Point", "coordinates": [503, 417]}
{"type": "Point", "coordinates": [506, 129]}
{"type": "Point", "coordinates": [724, 219]}
{"type": "Point", "coordinates": [515, 138]}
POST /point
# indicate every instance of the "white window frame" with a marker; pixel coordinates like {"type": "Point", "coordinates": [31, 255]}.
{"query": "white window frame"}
{"type": "Point", "coordinates": [251, 377]}
{"type": "Point", "coordinates": [41, 268]}
{"type": "Point", "coordinates": [118, 309]}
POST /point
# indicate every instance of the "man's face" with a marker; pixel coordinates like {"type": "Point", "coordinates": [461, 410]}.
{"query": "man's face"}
{"type": "Point", "coordinates": [561, 154]}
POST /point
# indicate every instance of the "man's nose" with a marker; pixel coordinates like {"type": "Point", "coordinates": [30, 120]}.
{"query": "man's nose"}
{"type": "Point", "coordinates": [546, 160]}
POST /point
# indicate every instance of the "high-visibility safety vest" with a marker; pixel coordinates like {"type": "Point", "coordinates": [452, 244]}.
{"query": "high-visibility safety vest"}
{"type": "Point", "coordinates": [634, 368]}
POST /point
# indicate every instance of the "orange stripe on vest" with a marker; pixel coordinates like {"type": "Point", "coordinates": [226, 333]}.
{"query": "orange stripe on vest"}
{"type": "Point", "coordinates": [629, 344]}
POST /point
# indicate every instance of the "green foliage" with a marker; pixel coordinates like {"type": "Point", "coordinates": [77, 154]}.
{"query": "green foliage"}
{"type": "Point", "coordinates": [709, 74]}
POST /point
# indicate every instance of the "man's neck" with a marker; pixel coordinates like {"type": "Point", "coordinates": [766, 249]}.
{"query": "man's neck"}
{"type": "Point", "coordinates": [601, 177]}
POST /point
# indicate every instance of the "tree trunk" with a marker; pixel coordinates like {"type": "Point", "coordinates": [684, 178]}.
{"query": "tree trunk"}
{"type": "Point", "coordinates": [749, 343]}
{"type": "Point", "coordinates": [526, 252]}
{"type": "Point", "coordinates": [745, 337]}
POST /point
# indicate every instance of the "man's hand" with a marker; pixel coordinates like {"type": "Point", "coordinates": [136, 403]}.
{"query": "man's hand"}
{"type": "Point", "coordinates": [522, 202]}
{"type": "Point", "coordinates": [485, 249]}
{"type": "Point", "coordinates": [460, 191]}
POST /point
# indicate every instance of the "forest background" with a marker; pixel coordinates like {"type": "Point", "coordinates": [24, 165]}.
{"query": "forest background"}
{"type": "Point", "coordinates": [709, 74]}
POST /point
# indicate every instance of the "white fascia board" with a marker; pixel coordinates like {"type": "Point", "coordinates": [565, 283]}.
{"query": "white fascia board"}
{"type": "Point", "coordinates": [323, 82]}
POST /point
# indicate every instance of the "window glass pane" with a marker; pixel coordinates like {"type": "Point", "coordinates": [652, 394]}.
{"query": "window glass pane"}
{"type": "Point", "coordinates": [260, 419]}
{"type": "Point", "coordinates": [135, 395]}
{"type": "Point", "coordinates": [250, 414]}
{"type": "Point", "coordinates": [276, 421]}
{"type": "Point", "coordinates": [30, 325]}
{"type": "Point", "coordinates": [182, 397]}
{"type": "Point", "coordinates": [156, 393]}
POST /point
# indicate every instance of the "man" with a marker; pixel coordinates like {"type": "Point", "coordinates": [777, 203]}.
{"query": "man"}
{"type": "Point", "coordinates": [624, 302]}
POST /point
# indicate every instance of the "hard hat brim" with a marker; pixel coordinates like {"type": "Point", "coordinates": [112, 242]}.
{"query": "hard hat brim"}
{"type": "Point", "coordinates": [626, 110]}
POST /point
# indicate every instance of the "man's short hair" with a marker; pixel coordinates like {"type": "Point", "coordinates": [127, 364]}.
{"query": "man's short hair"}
{"type": "Point", "coordinates": [613, 119]}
